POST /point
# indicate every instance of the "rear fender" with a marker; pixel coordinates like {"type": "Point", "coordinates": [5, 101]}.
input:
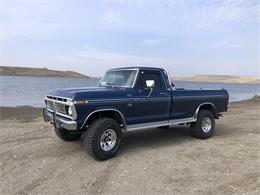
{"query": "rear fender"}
{"type": "Point", "coordinates": [206, 106]}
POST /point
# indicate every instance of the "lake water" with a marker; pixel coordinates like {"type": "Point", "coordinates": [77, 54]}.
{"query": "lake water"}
{"type": "Point", "coordinates": [21, 90]}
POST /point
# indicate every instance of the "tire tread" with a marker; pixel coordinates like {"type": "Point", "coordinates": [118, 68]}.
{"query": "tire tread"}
{"type": "Point", "coordinates": [89, 137]}
{"type": "Point", "coordinates": [196, 130]}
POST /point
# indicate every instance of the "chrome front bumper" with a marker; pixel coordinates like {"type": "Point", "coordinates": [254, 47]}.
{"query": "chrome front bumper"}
{"type": "Point", "coordinates": [59, 122]}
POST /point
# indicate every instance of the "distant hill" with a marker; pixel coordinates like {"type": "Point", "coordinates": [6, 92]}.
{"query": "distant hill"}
{"type": "Point", "coordinates": [219, 79]}
{"type": "Point", "coordinates": [26, 71]}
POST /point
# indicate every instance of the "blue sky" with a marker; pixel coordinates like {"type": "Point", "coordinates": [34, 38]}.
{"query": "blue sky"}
{"type": "Point", "coordinates": [187, 36]}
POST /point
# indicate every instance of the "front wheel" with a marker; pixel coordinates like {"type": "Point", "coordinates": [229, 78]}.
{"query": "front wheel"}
{"type": "Point", "coordinates": [67, 135]}
{"type": "Point", "coordinates": [204, 127]}
{"type": "Point", "coordinates": [102, 139]}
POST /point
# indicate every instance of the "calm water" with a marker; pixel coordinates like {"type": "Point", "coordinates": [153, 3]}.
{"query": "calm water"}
{"type": "Point", "coordinates": [19, 91]}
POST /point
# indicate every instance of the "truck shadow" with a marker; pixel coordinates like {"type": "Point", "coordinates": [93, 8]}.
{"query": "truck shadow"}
{"type": "Point", "coordinates": [155, 138]}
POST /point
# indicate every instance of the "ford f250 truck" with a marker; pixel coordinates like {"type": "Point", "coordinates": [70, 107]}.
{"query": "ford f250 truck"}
{"type": "Point", "coordinates": [128, 99]}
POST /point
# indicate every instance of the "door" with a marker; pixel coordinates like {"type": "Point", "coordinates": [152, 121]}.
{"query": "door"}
{"type": "Point", "coordinates": [150, 104]}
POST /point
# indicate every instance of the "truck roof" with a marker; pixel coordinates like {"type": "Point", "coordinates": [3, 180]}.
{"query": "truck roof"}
{"type": "Point", "coordinates": [137, 67]}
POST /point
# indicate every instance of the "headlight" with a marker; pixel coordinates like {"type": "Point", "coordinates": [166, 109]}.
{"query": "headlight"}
{"type": "Point", "coordinates": [70, 111]}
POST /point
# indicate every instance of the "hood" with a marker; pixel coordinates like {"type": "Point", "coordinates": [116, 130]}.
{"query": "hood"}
{"type": "Point", "coordinates": [89, 93]}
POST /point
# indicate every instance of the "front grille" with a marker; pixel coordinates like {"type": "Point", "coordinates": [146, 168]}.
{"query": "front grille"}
{"type": "Point", "coordinates": [57, 98]}
{"type": "Point", "coordinates": [60, 108]}
{"type": "Point", "coordinates": [50, 105]}
{"type": "Point", "coordinates": [57, 107]}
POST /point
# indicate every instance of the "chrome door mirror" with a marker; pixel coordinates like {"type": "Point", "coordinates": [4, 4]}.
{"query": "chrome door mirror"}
{"type": "Point", "coordinates": [150, 83]}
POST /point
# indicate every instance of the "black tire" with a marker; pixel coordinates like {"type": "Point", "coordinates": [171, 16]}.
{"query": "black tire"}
{"type": "Point", "coordinates": [92, 138]}
{"type": "Point", "coordinates": [197, 129]}
{"type": "Point", "coordinates": [67, 135]}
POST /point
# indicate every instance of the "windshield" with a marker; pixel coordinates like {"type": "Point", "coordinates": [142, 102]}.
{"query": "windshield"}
{"type": "Point", "coordinates": [119, 78]}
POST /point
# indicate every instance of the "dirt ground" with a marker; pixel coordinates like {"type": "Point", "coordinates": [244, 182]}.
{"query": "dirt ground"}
{"type": "Point", "coordinates": [157, 161]}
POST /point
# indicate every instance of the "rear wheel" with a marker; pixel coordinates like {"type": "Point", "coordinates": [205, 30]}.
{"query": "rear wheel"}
{"type": "Point", "coordinates": [102, 139]}
{"type": "Point", "coordinates": [205, 125]}
{"type": "Point", "coordinates": [67, 135]}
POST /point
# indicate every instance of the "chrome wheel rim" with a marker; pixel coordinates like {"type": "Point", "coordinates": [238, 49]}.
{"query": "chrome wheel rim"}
{"type": "Point", "coordinates": [206, 124]}
{"type": "Point", "coordinates": [108, 140]}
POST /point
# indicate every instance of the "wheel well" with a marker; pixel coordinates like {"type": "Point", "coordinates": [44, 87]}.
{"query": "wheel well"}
{"type": "Point", "coordinates": [210, 108]}
{"type": "Point", "coordinates": [106, 114]}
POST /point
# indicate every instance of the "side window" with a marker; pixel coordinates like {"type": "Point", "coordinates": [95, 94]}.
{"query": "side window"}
{"type": "Point", "coordinates": [150, 75]}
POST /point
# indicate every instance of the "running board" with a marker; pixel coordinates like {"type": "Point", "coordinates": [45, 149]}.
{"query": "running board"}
{"type": "Point", "coordinates": [159, 124]}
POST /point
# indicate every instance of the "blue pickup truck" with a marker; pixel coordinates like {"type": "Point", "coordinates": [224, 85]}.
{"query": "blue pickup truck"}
{"type": "Point", "coordinates": [128, 99]}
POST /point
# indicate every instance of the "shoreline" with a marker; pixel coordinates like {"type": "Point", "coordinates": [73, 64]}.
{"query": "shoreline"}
{"type": "Point", "coordinates": [54, 76]}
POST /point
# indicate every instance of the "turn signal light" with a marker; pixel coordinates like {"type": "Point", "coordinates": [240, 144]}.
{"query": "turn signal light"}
{"type": "Point", "coordinates": [81, 102]}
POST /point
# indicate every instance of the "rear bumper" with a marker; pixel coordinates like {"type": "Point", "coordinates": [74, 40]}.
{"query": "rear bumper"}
{"type": "Point", "coordinates": [59, 122]}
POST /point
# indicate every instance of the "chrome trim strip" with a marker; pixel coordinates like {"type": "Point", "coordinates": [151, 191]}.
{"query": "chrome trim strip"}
{"type": "Point", "coordinates": [183, 120]}
{"type": "Point", "coordinates": [69, 103]}
{"type": "Point", "coordinates": [60, 114]}
{"type": "Point", "coordinates": [103, 110]}
{"type": "Point", "coordinates": [49, 110]}
{"type": "Point", "coordinates": [64, 115]}
{"type": "Point", "coordinates": [160, 123]}
{"type": "Point", "coordinates": [136, 76]}
{"type": "Point", "coordinates": [59, 122]}
{"type": "Point", "coordinates": [169, 78]}
{"type": "Point", "coordinates": [197, 110]}
{"type": "Point", "coordinates": [59, 97]}
{"type": "Point", "coordinates": [69, 125]}
{"type": "Point", "coordinates": [147, 125]}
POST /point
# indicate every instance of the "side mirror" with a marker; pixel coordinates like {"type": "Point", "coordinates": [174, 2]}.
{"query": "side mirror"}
{"type": "Point", "coordinates": [150, 83]}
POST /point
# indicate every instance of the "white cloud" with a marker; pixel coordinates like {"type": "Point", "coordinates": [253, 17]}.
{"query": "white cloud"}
{"type": "Point", "coordinates": [205, 14]}
{"type": "Point", "coordinates": [27, 19]}
{"type": "Point", "coordinates": [199, 14]}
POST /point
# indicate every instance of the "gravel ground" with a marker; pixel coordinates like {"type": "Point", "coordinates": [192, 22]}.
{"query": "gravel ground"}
{"type": "Point", "coordinates": [157, 161]}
